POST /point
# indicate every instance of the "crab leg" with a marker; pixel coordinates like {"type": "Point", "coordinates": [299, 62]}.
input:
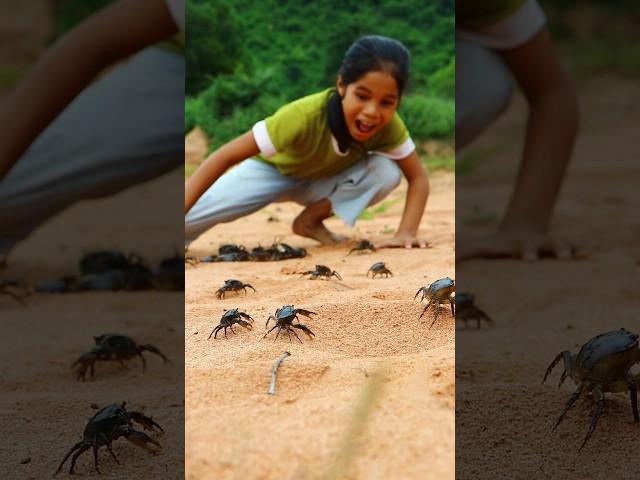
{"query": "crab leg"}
{"type": "Point", "coordinates": [215, 330]}
{"type": "Point", "coordinates": [572, 399]}
{"type": "Point", "coordinates": [599, 396]}
{"type": "Point", "coordinates": [633, 383]}
{"type": "Point", "coordinates": [153, 349]}
{"type": "Point", "coordinates": [272, 328]}
{"type": "Point", "coordinates": [436, 306]}
{"type": "Point", "coordinates": [79, 445]}
{"type": "Point", "coordinates": [147, 422]}
{"type": "Point", "coordinates": [566, 355]}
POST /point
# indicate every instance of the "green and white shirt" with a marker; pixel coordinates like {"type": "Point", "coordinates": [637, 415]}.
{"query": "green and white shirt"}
{"type": "Point", "coordinates": [298, 141]}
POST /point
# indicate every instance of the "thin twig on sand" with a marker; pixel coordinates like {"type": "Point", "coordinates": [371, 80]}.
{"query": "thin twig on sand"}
{"type": "Point", "coordinates": [274, 369]}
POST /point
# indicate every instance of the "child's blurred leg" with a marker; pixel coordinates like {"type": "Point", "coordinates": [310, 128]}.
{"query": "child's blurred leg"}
{"type": "Point", "coordinates": [244, 189]}
{"type": "Point", "coordinates": [483, 89]}
{"type": "Point", "coordinates": [124, 129]}
{"type": "Point", "coordinates": [347, 194]}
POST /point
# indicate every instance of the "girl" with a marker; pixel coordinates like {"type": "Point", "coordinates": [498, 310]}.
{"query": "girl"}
{"type": "Point", "coordinates": [495, 40]}
{"type": "Point", "coordinates": [339, 151]}
{"type": "Point", "coordinates": [72, 136]}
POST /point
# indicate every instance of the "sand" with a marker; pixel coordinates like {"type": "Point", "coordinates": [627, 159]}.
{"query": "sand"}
{"type": "Point", "coordinates": [504, 414]}
{"type": "Point", "coordinates": [371, 396]}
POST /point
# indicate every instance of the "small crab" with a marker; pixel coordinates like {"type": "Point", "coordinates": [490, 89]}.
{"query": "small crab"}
{"type": "Point", "coordinates": [440, 291]}
{"type": "Point", "coordinates": [109, 424]}
{"type": "Point", "coordinates": [14, 290]}
{"type": "Point", "coordinates": [467, 310]}
{"type": "Point", "coordinates": [322, 271]}
{"type": "Point", "coordinates": [362, 246]}
{"type": "Point", "coordinates": [105, 261]}
{"type": "Point", "coordinates": [379, 268]}
{"type": "Point", "coordinates": [602, 365]}
{"type": "Point", "coordinates": [233, 285]}
{"type": "Point", "coordinates": [228, 319]}
{"type": "Point", "coordinates": [284, 318]}
{"type": "Point", "coordinates": [110, 346]}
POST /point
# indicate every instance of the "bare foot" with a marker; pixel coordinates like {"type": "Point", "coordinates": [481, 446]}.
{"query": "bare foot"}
{"type": "Point", "coordinates": [316, 231]}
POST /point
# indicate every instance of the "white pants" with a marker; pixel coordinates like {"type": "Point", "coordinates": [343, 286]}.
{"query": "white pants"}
{"type": "Point", "coordinates": [126, 128]}
{"type": "Point", "coordinates": [253, 184]}
{"type": "Point", "coordinates": [483, 89]}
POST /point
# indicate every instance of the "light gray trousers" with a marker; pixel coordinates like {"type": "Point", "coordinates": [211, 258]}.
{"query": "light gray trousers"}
{"type": "Point", "coordinates": [126, 128]}
{"type": "Point", "coordinates": [483, 89]}
{"type": "Point", "coordinates": [253, 184]}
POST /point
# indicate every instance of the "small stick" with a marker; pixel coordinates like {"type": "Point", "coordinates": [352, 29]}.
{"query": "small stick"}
{"type": "Point", "coordinates": [274, 369]}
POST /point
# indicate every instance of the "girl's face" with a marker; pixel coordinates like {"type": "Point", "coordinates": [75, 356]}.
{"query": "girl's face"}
{"type": "Point", "coordinates": [368, 103]}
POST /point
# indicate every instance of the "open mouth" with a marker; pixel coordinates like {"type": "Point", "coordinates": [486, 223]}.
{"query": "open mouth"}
{"type": "Point", "coordinates": [365, 127]}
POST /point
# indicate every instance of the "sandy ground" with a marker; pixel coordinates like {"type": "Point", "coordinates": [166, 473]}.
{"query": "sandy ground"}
{"type": "Point", "coordinates": [43, 407]}
{"type": "Point", "coordinates": [504, 415]}
{"type": "Point", "coordinates": [371, 397]}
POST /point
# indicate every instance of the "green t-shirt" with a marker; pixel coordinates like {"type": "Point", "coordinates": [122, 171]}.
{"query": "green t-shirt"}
{"type": "Point", "coordinates": [298, 141]}
{"type": "Point", "coordinates": [472, 14]}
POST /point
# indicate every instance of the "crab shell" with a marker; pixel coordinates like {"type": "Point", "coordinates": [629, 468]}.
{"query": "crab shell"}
{"type": "Point", "coordinates": [286, 312]}
{"type": "Point", "coordinates": [442, 288]}
{"type": "Point", "coordinates": [606, 358]}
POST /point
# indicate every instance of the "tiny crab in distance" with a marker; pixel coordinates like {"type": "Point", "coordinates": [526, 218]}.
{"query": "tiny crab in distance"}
{"type": "Point", "coordinates": [284, 318]}
{"type": "Point", "coordinates": [466, 310]}
{"type": "Point", "coordinates": [440, 291]}
{"type": "Point", "coordinates": [322, 271]}
{"type": "Point", "coordinates": [379, 268]}
{"type": "Point", "coordinates": [233, 285]}
{"type": "Point", "coordinates": [228, 319]}
{"type": "Point", "coordinates": [362, 246]}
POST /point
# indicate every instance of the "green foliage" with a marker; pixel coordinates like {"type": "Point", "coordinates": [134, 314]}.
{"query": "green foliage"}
{"type": "Point", "coordinates": [214, 43]}
{"type": "Point", "coordinates": [428, 117]}
{"type": "Point", "coordinates": [295, 48]}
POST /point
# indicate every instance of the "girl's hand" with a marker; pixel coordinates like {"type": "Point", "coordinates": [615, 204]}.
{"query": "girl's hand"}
{"type": "Point", "coordinates": [405, 240]}
{"type": "Point", "coordinates": [523, 243]}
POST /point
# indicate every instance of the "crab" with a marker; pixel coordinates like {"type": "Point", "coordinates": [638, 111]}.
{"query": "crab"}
{"type": "Point", "coordinates": [379, 268]}
{"type": "Point", "coordinates": [228, 319]}
{"type": "Point", "coordinates": [282, 251]}
{"type": "Point", "coordinates": [105, 261]}
{"type": "Point", "coordinates": [14, 290]}
{"type": "Point", "coordinates": [110, 346]}
{"type": "Point", "coordinates": [233, 285]}
{"type": "Point", "coordinates": [284, 318]}
{"type": "Point", "coordinates": [467, 309]}
{"type": "Point", "coordinates": [362, 246]}
{"type": "Point", "coordinates": [440, 291]}
{"type": "Point", "coordinates": [602, 365]}
{"type": "Point", "coordinates": [109, 424]}
{"type": "Point", "coordinates": [322, 271]}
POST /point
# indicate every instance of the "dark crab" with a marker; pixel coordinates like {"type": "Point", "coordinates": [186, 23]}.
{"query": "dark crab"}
{"type": "Point", "coordinates": [602, 365]}
{"type": "Point", "coordinates": [105, 261]}
{"type": "Point", "coordinates": [322, 271]}
{"type": "Point", "coordinates": [379, 268]}
{"type": "Point", "coordinates": [284, 318]}
{"type": "Point", "coordinates": [15, 290]}
{"type": "Point", "coordinates": [233, 285]}
{"type": "Point", "coordinates": [109, 424]}
{"type": "Point", "coordinates": [466, 309]}
{"type": "Point", "coordinates": [228, 319]}
{"type": "Point", "coordinates": [440, 291]}
{"type": "Point", "coordinates": [112, 347]}
{"type": "Point", "coordinates": [362, 246]}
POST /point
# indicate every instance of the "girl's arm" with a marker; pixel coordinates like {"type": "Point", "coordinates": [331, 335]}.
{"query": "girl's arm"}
{"type": "Point", "coordinates": [551, 131]}
{"type": "Point", "coordinates": [216, 164]}
{"type": "Point", "coordinates": [417, 194]}
{"type": "Point", "coordinates": [66, 68]}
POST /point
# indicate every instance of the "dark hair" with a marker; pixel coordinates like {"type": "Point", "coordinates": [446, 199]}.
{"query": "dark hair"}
{"type": "Point", "coordinates": [371, 53]}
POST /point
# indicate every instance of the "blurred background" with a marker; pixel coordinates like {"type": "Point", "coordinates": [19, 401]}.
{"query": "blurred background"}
{"type": "Point", "coordinates": [44, 405]}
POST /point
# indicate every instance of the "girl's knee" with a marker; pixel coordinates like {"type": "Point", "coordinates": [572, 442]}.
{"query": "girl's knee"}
{"type": "Point", "coordinates": [387, 172]}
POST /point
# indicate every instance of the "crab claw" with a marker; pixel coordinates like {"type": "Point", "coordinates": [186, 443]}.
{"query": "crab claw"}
{"type": "Point", "coordinates": [143, 440]}
{"type": "Point", "coordinates": [153, 349]}
{"type": "Point", "coordinates": [305, 329]}
{"type": "Point", "coordinates": [147, 422]}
